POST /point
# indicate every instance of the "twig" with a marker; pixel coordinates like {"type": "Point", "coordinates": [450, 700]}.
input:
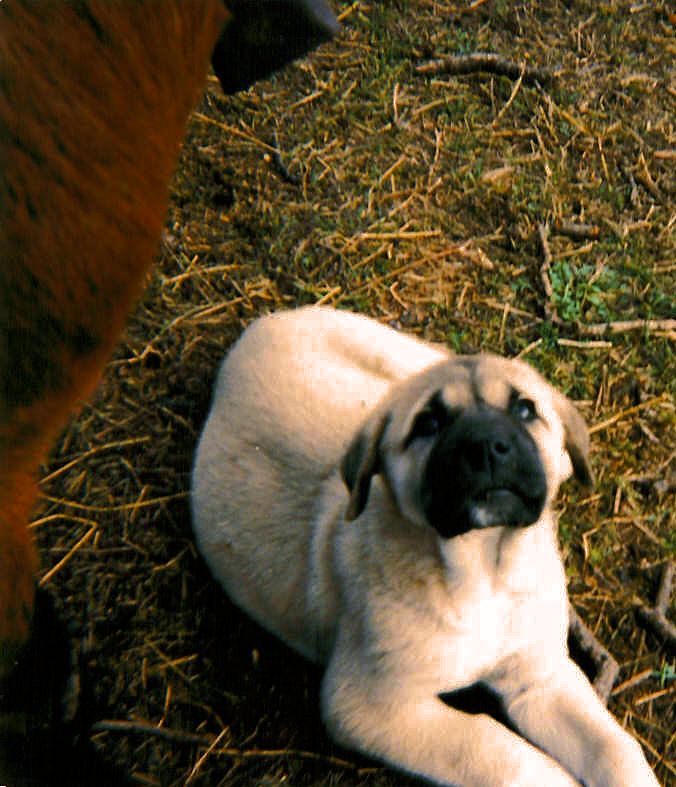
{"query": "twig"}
{"type": "Point", "coordinates": [343, 16]}
{"type": "Point", "coordinates": [607, 669]}
{"type": "Point", "coordinates": [585, 345]}
{"type": "Point", "coordinates": [649, 185]}
{"type": "Point", "coordinates": [398, 235]}
{"type": "Point", "coordinates": [510, 100]}
{"type": "Point", "coordinates": [200, 762]}
{"type": "Point", "coordinates": [664, 591]}
{"type": "Point", "coordinates": [328, 296]}
{"type": "Point", "coordinates": [550, 310]}
{"type": "Point", "coordinates": [543, 235]}
{"type": "Point", "coordinates": [488, 62]}
{"type": "Point", "coordinates": [145, 728]}
{"type": "Point", "coordinates": [655, 618]}
{"type": "Point", "coordinates": [576, 231]}
{"type": "Point", "coordinates": [121, 507]}
{"type": "Point", "coordinates": [401, 269]}
{"type": "Point", "coordinates": [92, 452]}
{"type": "Point", "coordinates": [530, 347]}
{"type": "Point", "coordinates": [633, 192]}
{"type": "Point", "coordinates": [233, 131]}
{"type": "Point", "coordinates": [44, 520]}
{"type": "Point", "coordinates": [56, 568]}
{"type": "Point", "coordinates": [599, 427]}
{"type": "Point", "coordinates": [640, 677]}
{"type": "Point", "coordinates": [624, 326]}
{"type": "Point", "coordinates": [654, 695]}
{"type": "Point", "coordinates": [645, 179]}
{"type": "Point", "coordinates": [279, 165]}
{"type": "Point", "coordinates": [305, 100]}
{"type": "Point", "coordinates": [180, 736]}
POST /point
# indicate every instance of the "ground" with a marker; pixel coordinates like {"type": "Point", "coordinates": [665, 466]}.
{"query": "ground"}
{"type": "Point", "coordinates": [354, 180]}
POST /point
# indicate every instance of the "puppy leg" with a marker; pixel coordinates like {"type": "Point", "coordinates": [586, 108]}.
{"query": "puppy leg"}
{"type": "Point", "coordinates": [561, 713]}
{"type": "Point", "coordinates": [413, 730]}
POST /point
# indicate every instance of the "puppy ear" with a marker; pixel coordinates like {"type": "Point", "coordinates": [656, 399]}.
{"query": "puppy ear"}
{"type": "Point", "coordinates": [577, 439]}
{"type": "Point", "coordinates": [361, 463]}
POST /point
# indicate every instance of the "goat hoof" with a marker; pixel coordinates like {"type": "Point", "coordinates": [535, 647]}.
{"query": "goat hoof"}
{"type": "Point", "coordinates": [43, 740]}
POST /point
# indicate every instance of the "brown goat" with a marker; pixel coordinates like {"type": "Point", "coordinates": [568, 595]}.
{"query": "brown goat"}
{"type": "Point", "coordinates": [94, 98]}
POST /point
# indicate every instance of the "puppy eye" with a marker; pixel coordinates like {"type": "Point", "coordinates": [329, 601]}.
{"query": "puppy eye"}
{"type": "Point", "coordinates": [426, 424]}
{"type": "Point", "coordinates": [524, 410]}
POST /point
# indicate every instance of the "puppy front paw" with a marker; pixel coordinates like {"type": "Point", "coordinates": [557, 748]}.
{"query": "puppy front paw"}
{"type": "Point", "coordinates": [541, 772]}
{"type": "Point", "coordinates": [622, 764]}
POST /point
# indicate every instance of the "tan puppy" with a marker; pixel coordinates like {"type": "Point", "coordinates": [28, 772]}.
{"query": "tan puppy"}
{"type": "Point", "coordinates": [450, 574]}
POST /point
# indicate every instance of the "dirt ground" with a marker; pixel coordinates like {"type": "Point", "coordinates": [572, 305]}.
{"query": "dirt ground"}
{"type": "Point", "coordinates": [355, 180]}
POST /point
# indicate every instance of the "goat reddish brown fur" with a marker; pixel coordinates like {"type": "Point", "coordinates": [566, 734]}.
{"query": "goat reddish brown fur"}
{"type": "Point", "coordinates": [94, 98]}
{"type": "Point", "coordinates": [93, 103]}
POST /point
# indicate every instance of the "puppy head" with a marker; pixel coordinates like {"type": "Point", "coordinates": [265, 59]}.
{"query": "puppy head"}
{"type": "Point", "coordinates": [474, 442]}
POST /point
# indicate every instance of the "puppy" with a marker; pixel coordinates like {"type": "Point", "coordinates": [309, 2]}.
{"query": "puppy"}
{"type": "Point", "coordinates": [449, 575]}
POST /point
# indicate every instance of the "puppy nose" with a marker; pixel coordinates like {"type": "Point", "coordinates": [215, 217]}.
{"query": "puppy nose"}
{"type": "Point", "coordinates": [499, 449]}
{"type": "Point", "coordinates": [484, 455]}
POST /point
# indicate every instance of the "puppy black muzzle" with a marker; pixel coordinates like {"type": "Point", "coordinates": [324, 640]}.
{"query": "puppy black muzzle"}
{"type": "Point", "coordinates": [484, 470]}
